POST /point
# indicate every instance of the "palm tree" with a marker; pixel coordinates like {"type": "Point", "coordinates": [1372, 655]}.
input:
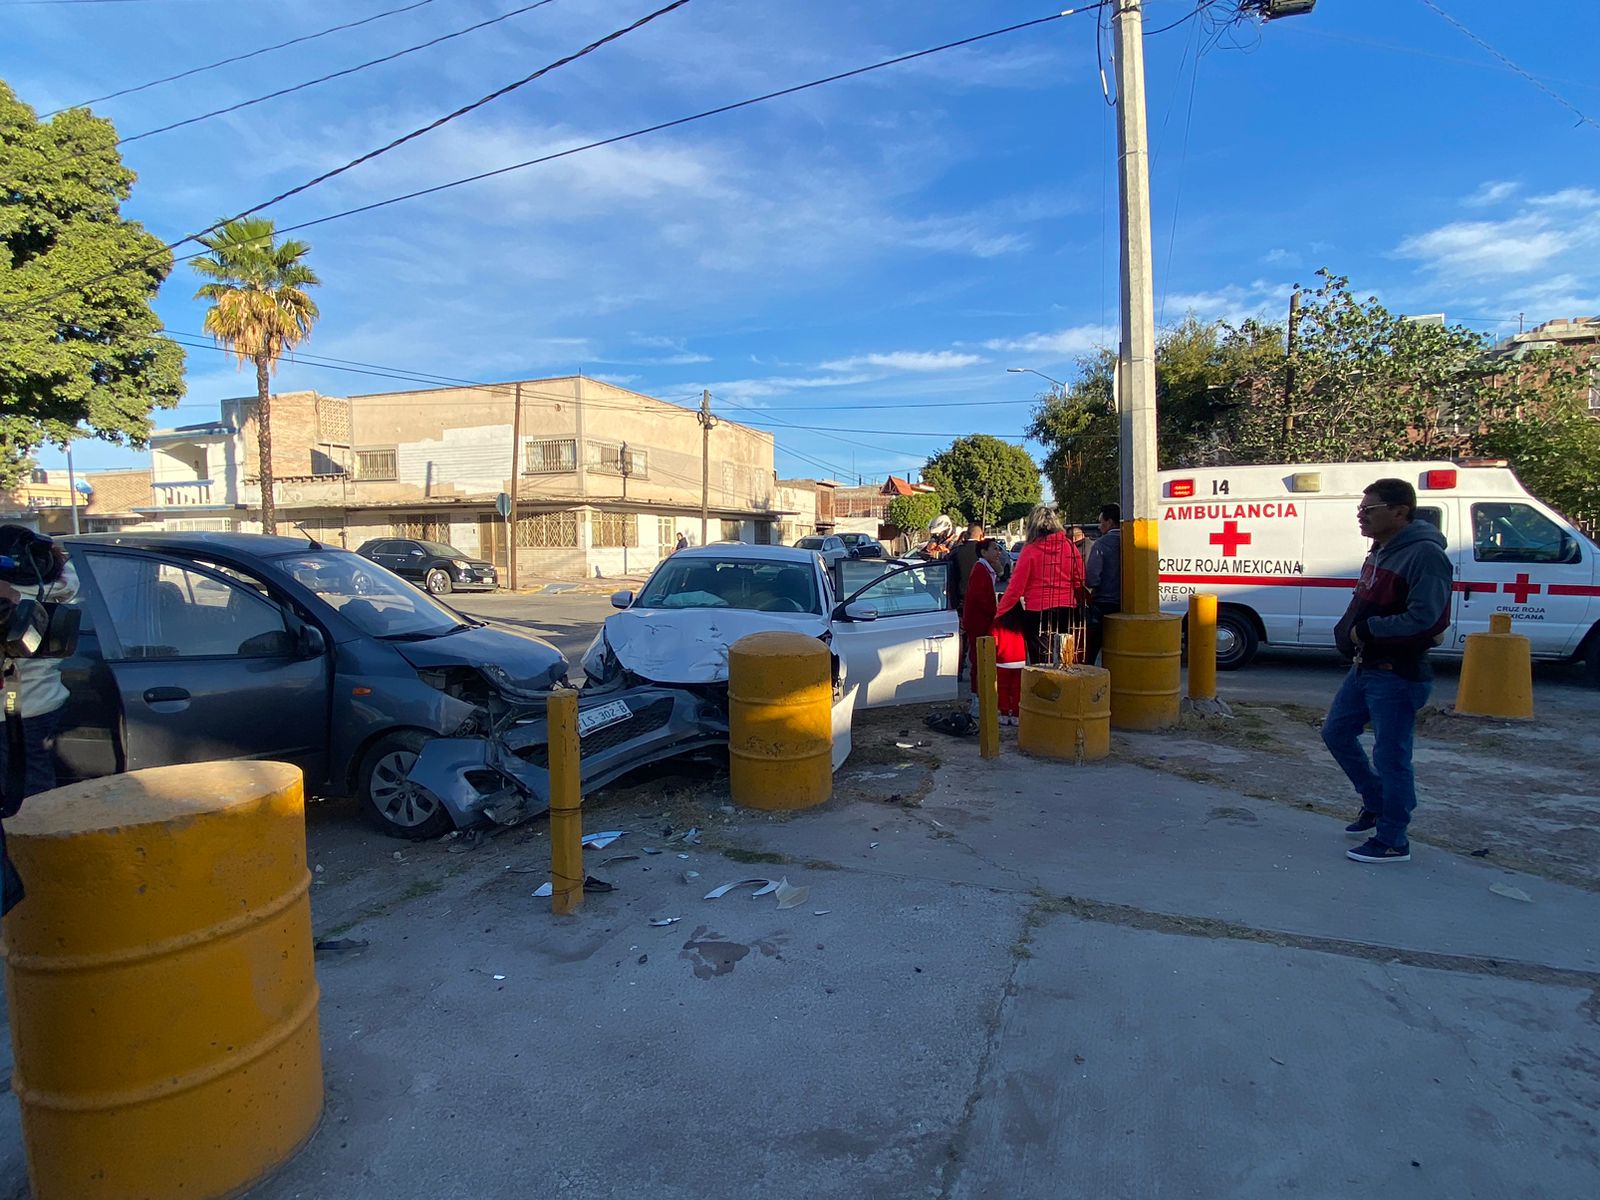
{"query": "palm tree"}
{"type": "Point", "coordinates": [259, 309]}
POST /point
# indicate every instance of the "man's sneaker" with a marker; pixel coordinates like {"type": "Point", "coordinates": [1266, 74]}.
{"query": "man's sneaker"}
{"type": "Point", "coordinates": [1374, 851]}
{"type": "Point", "coordinates": [1362, 825]}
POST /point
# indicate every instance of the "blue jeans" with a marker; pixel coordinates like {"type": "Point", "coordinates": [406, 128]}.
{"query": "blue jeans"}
{"type": "Point", "coordinates": [1387, 784]}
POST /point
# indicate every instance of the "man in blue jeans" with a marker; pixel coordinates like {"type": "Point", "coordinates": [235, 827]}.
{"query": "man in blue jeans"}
{"type": "Point", "coordinates": [1400, 609]}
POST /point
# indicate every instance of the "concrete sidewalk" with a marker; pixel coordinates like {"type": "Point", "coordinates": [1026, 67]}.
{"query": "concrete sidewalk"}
{"type": "Point", "coordinates": [1010, 979]}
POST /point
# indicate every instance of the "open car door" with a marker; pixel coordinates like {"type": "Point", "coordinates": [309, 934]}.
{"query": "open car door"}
{"type": "Point", "coordinates": [898, 638]}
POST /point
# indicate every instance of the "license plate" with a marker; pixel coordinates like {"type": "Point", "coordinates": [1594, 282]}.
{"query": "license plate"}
{"type": "Point", "coordinates": [599, 718]}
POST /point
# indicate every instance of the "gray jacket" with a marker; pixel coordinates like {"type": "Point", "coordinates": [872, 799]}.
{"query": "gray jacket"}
{"type": "Point", "coordinates": [1103, 572]}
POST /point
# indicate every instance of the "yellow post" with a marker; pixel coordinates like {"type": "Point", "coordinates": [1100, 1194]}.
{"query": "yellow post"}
{"type": "Point", "coordinates": [1496, 673]}
{"type": "Point", "coordinates": [163, 998]}
{"type": "Point", "coordinates": [988, 701]}
{"type": "Point", "coordinates": [566, 804]}
{"type": "Point", "coordinates": [780, 721]}
{"type": "Point", "coordinates": [1202, 646]}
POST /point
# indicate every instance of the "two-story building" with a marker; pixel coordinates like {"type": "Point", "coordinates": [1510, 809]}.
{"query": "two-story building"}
{"type": "Point", "coordinates": [604, 478]}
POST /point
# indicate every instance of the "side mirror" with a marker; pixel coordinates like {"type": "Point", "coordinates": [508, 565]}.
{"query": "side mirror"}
{"type": "Point", "coordinates": [860, 612]}
{"type": "Point", "coordinates": [311, 642]}
{"type": "Point", "coordinates": [621, 599]}
{"type": "Point", "coordinates": [419, 554]}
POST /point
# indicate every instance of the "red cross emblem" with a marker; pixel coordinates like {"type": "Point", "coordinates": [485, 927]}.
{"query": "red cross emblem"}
{"type": "Point", "coordinates": [1521, 589]}
{"type": "Point", "coordinates": [1230, 539]}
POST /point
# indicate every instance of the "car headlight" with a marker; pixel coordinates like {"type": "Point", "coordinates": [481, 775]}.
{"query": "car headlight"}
{"type": "Point", "coordinates": [458, 564]}
{"type": "Point", "coordinates": [600, 662]}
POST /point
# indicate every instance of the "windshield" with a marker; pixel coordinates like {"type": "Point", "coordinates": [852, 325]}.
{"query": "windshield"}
{"type": "Point", "coordinates": [376, 602]}
{"type": "Point", "coordinates": [777, 587]}
{"type": "Point", "coordinates": [809, 544]}
{"type": "Point", "coordinates": [440, 550]}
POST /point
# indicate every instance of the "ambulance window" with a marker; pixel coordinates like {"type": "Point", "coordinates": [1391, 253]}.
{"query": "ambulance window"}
{"type": "Point", "coordinates": [1433, 516]}
{"type": "Point", "coordinates": [1519, 533]}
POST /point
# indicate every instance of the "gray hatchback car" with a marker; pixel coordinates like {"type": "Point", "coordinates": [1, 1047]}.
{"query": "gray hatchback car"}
{"type": "Point", "coordinates": [207, 645]}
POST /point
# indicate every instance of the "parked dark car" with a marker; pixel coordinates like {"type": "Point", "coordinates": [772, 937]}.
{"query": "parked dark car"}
{"type": "Point", "coordinates": [436, 568]}
{"type": "Point", "coordinates": [862, 546]}
{"type": "Point", "coordinates": [215, 646]}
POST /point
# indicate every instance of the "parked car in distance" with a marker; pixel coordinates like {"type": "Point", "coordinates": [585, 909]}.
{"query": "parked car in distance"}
{"type": "Point", "coordinates": [830, 548]}
{"type": "Point", "coordinates": [205, 646]}
{"type": "Point", "coordinates": [862, 546]}
{"type": "Point", "coordinates": [436, 568]}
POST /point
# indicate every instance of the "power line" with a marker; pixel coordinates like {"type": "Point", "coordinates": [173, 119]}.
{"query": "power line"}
{"type": "Point", "coordinates": [623, 137]}
{"type": "Point", "coordinates": [387, 58]}
{"type": "Point", "coordinates": [295, 41]}
{"type": "Point", "coordinates": [1583, 117]}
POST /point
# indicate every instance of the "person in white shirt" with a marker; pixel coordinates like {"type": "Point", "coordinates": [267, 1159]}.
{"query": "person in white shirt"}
{"type": "Point", "coordinates": [41, 694]}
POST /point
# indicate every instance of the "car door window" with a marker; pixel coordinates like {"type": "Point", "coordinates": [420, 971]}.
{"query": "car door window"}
{"type": "Point", "coordinates": [162, 610]}
{"type": "Point", "coordinates": [919, 589]}
{"type": "Point", "coordinates": [1519, 533]}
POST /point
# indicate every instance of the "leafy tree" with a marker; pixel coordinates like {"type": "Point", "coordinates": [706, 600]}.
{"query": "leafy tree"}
{"type": "Point", "coordinates": [91, 356]}
{"type": "Point", "coordinates": [1079, 429]}
{"type": "Point", "coordinates": [260, 308]}
{"type": "Point", "coordinates": [981, 478]}
{"type": "Point", "coordinates": [911, 514]}
{"type": "Point", "coordinates": [1537, 417]}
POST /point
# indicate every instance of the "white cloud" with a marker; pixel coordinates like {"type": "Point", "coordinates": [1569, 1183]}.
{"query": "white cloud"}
{"type": "Point", "coordinates": [1074, 340]}
{"type": "Point", "coordinates": [1581, 198]}
{"type": "Point", "coordinates": [1491, 193]}
{"type": "Point", "coordinates": [1550, 227]}
{"type": "Point", "coordinates": [778, 385]}
{"type": "Point", "coordinates": [1279, 257]}
{"type": "Point", "coordinates": [906, 360]}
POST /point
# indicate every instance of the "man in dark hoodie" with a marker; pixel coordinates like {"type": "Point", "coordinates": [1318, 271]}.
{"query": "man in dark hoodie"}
{"type": "Point", "coordinates": [1400, 610]}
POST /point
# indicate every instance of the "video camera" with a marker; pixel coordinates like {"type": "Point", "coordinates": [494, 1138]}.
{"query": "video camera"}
{"type": "Point", "coordinates": [33, 628]}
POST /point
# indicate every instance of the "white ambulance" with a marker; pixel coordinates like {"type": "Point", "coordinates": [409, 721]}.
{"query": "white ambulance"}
{"type": "Point", "coordinates": [1280, 548]}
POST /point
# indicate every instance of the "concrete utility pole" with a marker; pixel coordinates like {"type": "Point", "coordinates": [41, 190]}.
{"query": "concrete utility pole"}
{"type": "Point", "coordinates": [72, 488]}
{"type": "Point", "coordinates": [1288, 370]}
{"type": "Point", "coordinates": [1142, 644]}
{"type": "Point", "coordinates": [623, 464]}
{"type": "Point", "coordinates": [706, 422]}
{"type": "Point", "coordinates": [516, 474]}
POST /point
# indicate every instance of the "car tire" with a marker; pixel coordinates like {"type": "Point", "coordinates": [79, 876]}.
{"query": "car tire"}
{"type": "Point", "coordinates": [1591, 663]}
{"type": "Point", "coordinates": [1237, 641]}
{"type": "Point", "coordinates": [393, 805]}
{"type": "Point", "coordinates": [437, 581]}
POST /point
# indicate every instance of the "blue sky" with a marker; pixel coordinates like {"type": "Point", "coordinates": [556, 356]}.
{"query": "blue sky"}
{"type": "Point", "coordinates": [863, 260]}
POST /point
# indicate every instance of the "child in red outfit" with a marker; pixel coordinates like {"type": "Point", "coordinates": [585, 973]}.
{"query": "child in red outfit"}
{"type": "Point", "coordinates": [1010, 655]}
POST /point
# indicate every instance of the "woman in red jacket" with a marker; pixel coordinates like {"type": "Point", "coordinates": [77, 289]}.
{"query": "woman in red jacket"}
{"type": "Point", "coordinates": [1047, 582]}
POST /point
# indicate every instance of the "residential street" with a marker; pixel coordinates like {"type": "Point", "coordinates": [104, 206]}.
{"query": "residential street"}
{"type": "Point", "coordinates": [1012, 979]}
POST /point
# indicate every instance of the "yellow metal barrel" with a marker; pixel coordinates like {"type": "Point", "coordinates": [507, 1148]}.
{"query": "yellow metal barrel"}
{"type": "Point", "coordinates": [1497, 673]}
{"type": "Point", "coordinates": [780, 721]}
{"type": "Point", "coordinates": [163, 1000]}
{"type": "Point", "coordinates": [1143, 652]}
{"type": "Point", "coordinates": [1066, 713]}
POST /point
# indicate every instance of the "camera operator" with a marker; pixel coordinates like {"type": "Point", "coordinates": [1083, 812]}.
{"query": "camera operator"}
{"type": "Point", "coordinates": [40, 690]}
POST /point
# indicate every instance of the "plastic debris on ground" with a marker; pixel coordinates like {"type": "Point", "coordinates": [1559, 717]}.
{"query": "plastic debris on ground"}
{"type": "Point", "coordinates": [616, 858]}
{"type": "Point", "coordinates": [822, 912]}
{"type": "Point", "coordinates": [651, 850]}
{"type": "Point", "coordinates": [499, 977]}
{"type": "Point", "coordinates": [1510, 893]}
{"type": "Point", "coordinates": [339, 945]}
{"type": "Point", "coordinates": [689, 837]}
{"type": "Point", "coordinates": [790, 897]}
{"type": "Point", "coordinates": [663, 922]}
{"type": "Point", "coordinates": [765, 886]}
{"type": "Point", "coordinates": [599, 841]}
{"type": "Point", "coordinates": [544, 889]}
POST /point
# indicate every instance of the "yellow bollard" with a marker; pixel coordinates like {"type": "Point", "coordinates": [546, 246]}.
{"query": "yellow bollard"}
{"type": "Point", "coordinates": [163, 1000]}
{"type": "Point", "coordinates": [988, 701]}
{"type": "Point", "coordinates": [1143, 652]}
{"type": "Point", "coordinates": [566, 804]}
{"type": "Point", "coordinates": [1497, 673]}
{"type": "Point", "coordinates": [1066, 713]}
{"type": "Point", "coordinates": [780, 721]}
{"type": "Point", "coordinates": [1202, 646]}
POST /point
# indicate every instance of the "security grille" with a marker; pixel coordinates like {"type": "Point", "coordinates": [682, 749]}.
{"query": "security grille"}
{"type": "Point", "coordinates": [610, 531]}
{"type": "Point", "coordinates": [376, 464]}
{"type": "Point", "coordinates": [550, 456]}
{"type": "Point", "coordinates": [544, 531]}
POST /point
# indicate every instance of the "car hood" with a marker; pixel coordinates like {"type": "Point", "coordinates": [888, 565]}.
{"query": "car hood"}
{"type": "Point", "coordinates": [515, 661]}
{"type": "Point", "coordinates": [690, 645]}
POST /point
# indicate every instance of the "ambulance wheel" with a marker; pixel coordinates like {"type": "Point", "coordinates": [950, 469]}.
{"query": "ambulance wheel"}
{"type": "Point", "coordinates": [1236, 639]}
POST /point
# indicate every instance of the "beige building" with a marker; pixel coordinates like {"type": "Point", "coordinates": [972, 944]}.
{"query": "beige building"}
{"type": "Point", "coordinates": [604, 478]}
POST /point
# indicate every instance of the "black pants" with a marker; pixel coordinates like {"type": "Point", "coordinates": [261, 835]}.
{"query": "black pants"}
{"type": "Point", "coordinates": [39, 775]}
{"type": "Point", "coordinates": [1097, 630]}
{"type": "Point", "coordinates": [1039, 632]}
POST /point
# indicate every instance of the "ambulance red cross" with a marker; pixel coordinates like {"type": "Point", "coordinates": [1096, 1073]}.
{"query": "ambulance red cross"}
{"type": "Point", "coordinates": [1279, 547]}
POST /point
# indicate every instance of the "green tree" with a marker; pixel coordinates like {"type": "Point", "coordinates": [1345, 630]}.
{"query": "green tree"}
{"type": "Point", "coordinates": [259, 309]}
{"type": "Point", "coordinates": [1537, 417]}
{"type": "Point", "coordinates": [981, 478]}
{"type": "Point", "coordinates": [914, 513]}
{"type": "Point", "coordinates": [1078, 428]}
{"type": "Point", "coordinates": [91, 357]}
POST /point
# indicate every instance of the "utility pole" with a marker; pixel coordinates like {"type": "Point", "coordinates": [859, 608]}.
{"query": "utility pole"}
{"type": "Point", "coordinates": [72, 488]}
{"type": "Point", "coordinates": [1142, 644]}
{"type": "Point", "coordinates": [1288, 370]}
{"type": "Point", "coordinates": [624, 465]}
{"type": "Point", "coordinates": [706, 422]}
{"type": "Point", "coordinates": [516, 474]}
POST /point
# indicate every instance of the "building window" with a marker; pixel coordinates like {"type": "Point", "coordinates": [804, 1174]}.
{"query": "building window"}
{"type": "Point", "coordinates": [331, 458]}
{"type": "Point", "coordinates": [732, 531]}
{"type": "Point", "coordinates": [378, 463]}
{"type": "Point", "coordinates": [551, 456]}
{"type": "Point", "coordinates": [548, 531]}
{"type": "Point", "coordinates": [606, 458]}
{"type": "Point", "coordinates": [420, 527]}
{"type": "Point", "coordinates": [666, 535]}
{"type": "Point", "coordinates": [612, 531]}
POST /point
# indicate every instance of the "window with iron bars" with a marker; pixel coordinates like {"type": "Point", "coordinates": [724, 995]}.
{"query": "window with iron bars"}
{"type": "Point", "coordinates": [612, 531]}
{"type": "Point", "coordinates": [420, 527]}
{"type": "Point", "coordinates": [377, 463]}
{"type": "Point", "coordinates": [544, 531]}
{"type": "Point", "coordinates": [606, 457]}
{"type": "Point", "coordinates": [550, 456]}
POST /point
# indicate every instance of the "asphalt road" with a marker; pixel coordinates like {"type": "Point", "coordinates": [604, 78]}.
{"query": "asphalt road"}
{"type": "Point", "coordinates": [1306, 677]}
